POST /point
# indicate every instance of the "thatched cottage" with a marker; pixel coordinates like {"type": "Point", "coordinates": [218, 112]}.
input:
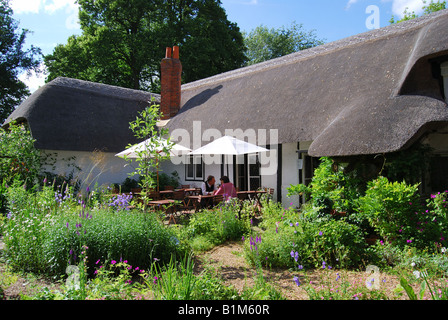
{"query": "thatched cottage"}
{"type": "Point", "coordinates": [378, 92]}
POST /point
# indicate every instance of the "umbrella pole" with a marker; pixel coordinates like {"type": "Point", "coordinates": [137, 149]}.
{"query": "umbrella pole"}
{"type": "Point", "coordinates": [158, 187]}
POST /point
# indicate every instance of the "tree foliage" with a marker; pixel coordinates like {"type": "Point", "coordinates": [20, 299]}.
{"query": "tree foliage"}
{"type": "Point", "coordinates": [123, 42]}
{"type": "Point", "coordinates": [427, 9]}
{"type": "Point", "coordinates": [13, 61]}
{"type": "Point", "coordinates": [264, 44]}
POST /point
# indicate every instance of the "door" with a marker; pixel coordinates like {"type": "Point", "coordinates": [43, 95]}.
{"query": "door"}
{"type": "Point", "coordinates": [248, 172]}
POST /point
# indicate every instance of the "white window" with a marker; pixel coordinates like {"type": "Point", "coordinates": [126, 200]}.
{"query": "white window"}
{"type": "Point", "coordinates": [445, 79]}
{"type": "Point", "coordinates": [194, 169]}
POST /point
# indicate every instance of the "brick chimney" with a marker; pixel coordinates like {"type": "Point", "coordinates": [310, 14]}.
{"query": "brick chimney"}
{"type": "Point", "coordinates": [171, 71]}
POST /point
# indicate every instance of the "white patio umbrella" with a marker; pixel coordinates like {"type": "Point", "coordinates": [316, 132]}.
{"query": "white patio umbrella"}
{"type": "Point", "coordinates": [132, 152]}
{"type": "Point", "coordinates": [228, 146]}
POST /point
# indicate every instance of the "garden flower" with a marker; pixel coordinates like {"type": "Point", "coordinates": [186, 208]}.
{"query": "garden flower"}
{"type": "Point", "coordinates": [297, 281]}
{"type": "Point", "coordinates": [113, 262]}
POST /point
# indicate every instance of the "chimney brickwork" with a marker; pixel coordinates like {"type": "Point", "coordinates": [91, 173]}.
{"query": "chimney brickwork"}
{"type": "Point", "coordinates": [171, 73]}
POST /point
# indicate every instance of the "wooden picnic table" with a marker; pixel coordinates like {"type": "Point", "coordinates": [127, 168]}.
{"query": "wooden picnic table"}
{"type": "Point", "coordinates": [254, 196]}
{"type": "Point", "coordinates": [166, 205]}
{"type": "Point", "coordinates": [200, 201]}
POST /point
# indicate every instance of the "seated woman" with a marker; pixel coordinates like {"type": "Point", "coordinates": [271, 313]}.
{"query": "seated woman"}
{"type": "Point", "coordinates": [227, 189]}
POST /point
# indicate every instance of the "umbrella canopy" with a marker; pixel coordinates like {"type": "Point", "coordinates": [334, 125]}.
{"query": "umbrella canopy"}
{"type": "Point", "coordinates": [132, 152]}
{"type": "Point", "coordinates": [229, 146]}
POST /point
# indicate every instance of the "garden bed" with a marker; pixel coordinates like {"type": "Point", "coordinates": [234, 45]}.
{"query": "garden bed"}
{"type": "Point", "coordinates": [229, 263]}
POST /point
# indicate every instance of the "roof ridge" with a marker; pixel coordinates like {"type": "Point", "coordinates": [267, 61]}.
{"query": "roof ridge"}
{"type": "Point", "coordinates": [326, 48]}
{"type": "Point", "coordinates": [97, 87]}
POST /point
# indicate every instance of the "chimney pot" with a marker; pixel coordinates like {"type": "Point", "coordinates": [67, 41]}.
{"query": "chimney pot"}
{"type": "Point", "coordinates": [175, 52]}
{"type": "Point", "coordinates": [168, 53]}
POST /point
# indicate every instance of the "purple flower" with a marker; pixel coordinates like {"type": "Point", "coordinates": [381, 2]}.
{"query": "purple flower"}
{"type": "Point", "coordinates": [297, 281]}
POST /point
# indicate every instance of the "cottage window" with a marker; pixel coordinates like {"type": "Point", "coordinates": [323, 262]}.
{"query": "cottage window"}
{"type": "Point", "coordinates": [194, 169]}
{"type": "Point", "coordinates": [445, 79]}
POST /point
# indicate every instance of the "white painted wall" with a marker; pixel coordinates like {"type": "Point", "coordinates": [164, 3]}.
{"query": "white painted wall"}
{"type": "Point", "coordinates": [105, 169]}
{"type": "Point", "coordinates": [96, 167]}
{"type": "Point", "coordinates": [290, 173]}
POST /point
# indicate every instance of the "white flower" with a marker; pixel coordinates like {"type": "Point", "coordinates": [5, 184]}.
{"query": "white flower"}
{"type": "Point", "coordinates": [413, 264]}
{"type": "Point", "coordinates": [416, 274]}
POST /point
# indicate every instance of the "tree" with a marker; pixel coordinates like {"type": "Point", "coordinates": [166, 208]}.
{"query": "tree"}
{"type": "Point", "coordinates": [427, 9]}
{"type": "Point", "coordinates": [123, 42]}
{"type": "Point", "coordinates": [13, 61]}
{"type": "Point", "coordinates": [264, 44]}
{"type": "Point", "coordinates": [155, 149]}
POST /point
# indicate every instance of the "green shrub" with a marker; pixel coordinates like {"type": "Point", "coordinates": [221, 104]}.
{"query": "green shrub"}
{"type": "Point", "coordinates": [295, 240]}
{"type": "Point", "coordinates": [29, 214]}
{"type": "Point", "coordinates": [336, 242]}
{"type": "Point", "coordinates": [394, 210]}
{"type": "Point", "coordinates": [136, 237]}
{"type": "Point", "coordinates": [331, 188]}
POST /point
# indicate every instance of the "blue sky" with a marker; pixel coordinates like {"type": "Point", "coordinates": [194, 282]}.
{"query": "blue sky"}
{"type": "Point", "coordinates": [53, 21]}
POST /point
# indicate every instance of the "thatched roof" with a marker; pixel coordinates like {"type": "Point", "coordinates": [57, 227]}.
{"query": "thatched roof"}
{"type": "Point", "coordinates": [366, 94]}
{"type": "Point", "coordinates": [75, 115]}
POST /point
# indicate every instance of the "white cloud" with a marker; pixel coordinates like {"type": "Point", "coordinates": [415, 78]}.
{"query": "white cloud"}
{"type": "Point", "coordinates": [25, 6]}
{"type": "Point", "coordinates": [399, 6]}
{"type": "Point", "coordinates": [350, 3]}
{"type": "Point", "coordinates": [49, 7]}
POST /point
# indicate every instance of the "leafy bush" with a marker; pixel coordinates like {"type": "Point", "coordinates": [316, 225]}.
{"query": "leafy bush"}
{"type": "Point", "coordinates": [136, 237]}
{"type": "Point", "coordinates": [29, 214]}
{"type": "Point", "coordinates": [311, 242]}
{"type": "Point", "coordinates": [393, 209]}
{"type": "Point", "coordinates": [331, 189]}
{"type": "Point", "coordinates": [19, 160]}
{"type": "Point", "coordinates": [336, 242]}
